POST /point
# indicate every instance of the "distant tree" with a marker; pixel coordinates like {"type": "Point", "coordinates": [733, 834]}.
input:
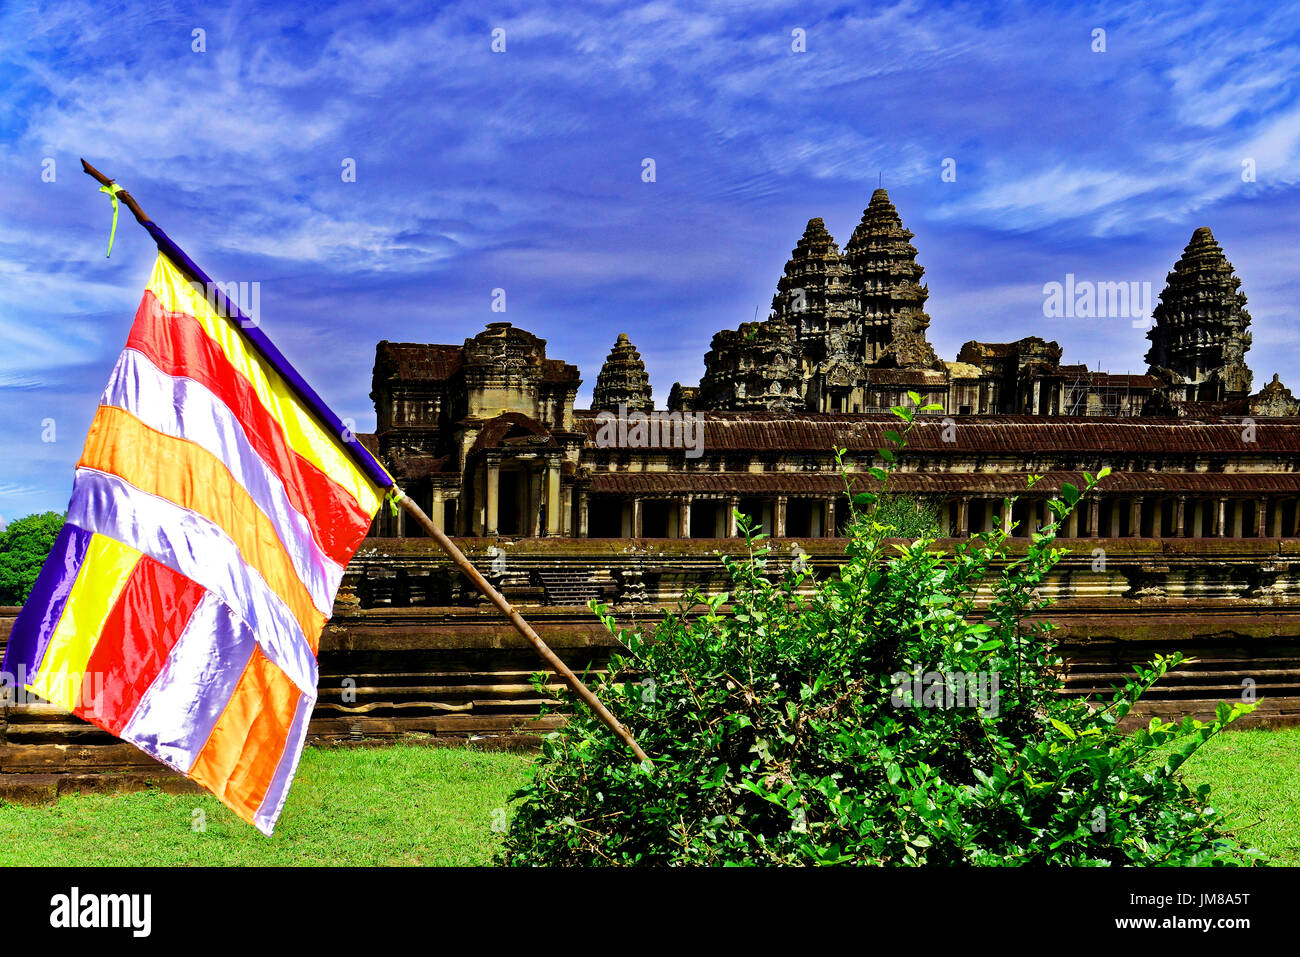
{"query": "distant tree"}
{"type": "Point", "coordinates": [24, 545]}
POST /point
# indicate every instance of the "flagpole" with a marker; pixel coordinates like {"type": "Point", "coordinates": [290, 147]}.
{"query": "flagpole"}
{"type": "Point", "coordinates": [122, 194]}
{"type": "Point", "coordinates": [379, 474]}
{"type": "Point", "coordinates": [521, 626]}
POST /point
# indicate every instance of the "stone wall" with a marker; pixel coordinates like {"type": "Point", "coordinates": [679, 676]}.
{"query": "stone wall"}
{"type": "Point", "coordinates": [413, 650]}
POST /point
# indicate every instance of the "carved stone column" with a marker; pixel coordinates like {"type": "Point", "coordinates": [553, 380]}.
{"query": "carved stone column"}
{"type": "Point", "coordinates": [1261, 517]}
{"type": "Point", "coordinates": [684, 519]}
{"type": "Point", "coordinates": [553, 498]}
{"type": "Point", "coordinates": [1180, 517]}
{"type": "Point", "coordinates": [636, 517]}
{"type": "Point", "coordinates": [1094, 518]}
{"type": "Point", "coordinates": [733, 503]}
{"type": "Point", "coordinates": [778, 517]}
{"type": "Point", "coordinates": [584, 505]}
{"type": "Point", "coordinates": [1221, 518]}
{"type": "Point", "coordinates": [963, 516]}
{"type": "Point", "coordinates": [533, 509]}
{"type": "Point", "coordinates": [493, 484]}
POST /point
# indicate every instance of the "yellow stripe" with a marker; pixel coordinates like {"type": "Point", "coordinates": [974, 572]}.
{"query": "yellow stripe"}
{"type": "Point", "coordinates": [103, 574]}
{"type": "Point", "coordinates": [302, 430]}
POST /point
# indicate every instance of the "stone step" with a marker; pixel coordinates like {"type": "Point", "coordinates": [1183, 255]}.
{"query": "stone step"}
{"type": "Point", "coordinates": [567, 587]}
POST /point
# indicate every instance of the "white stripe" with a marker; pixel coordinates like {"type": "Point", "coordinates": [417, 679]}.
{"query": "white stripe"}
{"type": "Point", "coordinates": [278, 790]}
{"type": "Point", "coordinates": [186, 409]}
{"type": "Point", "coordinates": [175, 717]}
{"type": "Point", "coordinates": [199, 549]}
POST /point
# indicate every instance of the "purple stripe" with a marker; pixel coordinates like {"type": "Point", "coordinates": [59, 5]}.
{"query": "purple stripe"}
{"type": "Point", "coordinates": [176, 716]}
{"type": "Point", "coordinates": [360, 454]}
{"type": "Point", "coordinates": [273, 802]}
{"type": "Point", "coordinates": [41, 612]}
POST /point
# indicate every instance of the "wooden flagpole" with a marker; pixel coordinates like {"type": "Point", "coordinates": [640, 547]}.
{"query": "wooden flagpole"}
{"type": "Point", "coordinates": [456, 555]}
{"type": "Point", "coordinates": [521, 626]}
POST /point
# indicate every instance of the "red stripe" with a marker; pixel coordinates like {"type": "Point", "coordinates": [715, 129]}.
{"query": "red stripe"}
{"type": "Point", "coordinates": [148, 618]}
{"type": "Point", "coordinates": [179, 346]}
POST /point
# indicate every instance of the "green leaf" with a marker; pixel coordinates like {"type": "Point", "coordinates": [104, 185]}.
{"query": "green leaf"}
{"type": "Point", "coordinates": [1064, 728]}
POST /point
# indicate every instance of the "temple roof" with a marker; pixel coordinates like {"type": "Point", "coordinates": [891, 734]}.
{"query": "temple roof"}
{"type": "Point", "coordinates": [1010, 435]}
{"type": "Point", "coordinates": [886, 375]}
{"type": "Point", "coordinates": [435, 362]}
{"type": "Point", "coordinates": [418, 360]}
{"type": "Point", "coordinates": [982, 483]}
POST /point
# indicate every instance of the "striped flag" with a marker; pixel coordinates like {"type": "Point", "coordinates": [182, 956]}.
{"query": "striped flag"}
{"type": "Point", "coordinates": [214, 508]}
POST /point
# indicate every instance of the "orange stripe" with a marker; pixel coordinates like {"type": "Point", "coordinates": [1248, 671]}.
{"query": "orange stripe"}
{"type": "Point", "coordinates": [194, 478]}
{"type": "Point", "coordinates": [239, 760]}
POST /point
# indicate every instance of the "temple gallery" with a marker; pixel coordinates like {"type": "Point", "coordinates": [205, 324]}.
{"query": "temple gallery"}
{"type": "Point", "coordinates": [485, 435]}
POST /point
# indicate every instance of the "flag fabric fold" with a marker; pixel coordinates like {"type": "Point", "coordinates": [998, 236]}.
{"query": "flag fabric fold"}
{"type": "Point", "coordinates": [214, 508]}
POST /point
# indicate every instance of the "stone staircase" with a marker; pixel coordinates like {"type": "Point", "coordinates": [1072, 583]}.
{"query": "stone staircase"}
{"type": "Point", "coordinates": [567, 587]}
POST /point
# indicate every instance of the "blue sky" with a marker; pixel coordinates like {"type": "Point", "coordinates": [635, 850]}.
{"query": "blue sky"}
{"type": "Point", "coordinates": [522, 170]}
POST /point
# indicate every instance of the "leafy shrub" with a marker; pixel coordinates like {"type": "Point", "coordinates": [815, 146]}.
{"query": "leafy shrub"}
{"type": "Point", "coordinates": [908, 516]}
{"type": "Point", "coordinates": [24, 545]}
{"type": "Point", "coordinates": [781, 732]}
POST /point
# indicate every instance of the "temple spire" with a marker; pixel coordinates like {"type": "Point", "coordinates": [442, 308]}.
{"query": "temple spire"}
{"type": "Point", "coordinates": [1199, 338]}
{"type": "Point", "coordinates": [887, 285]}
{"type": "Point", "coordinates": [622, 380]}
{"type": "Point", "coordinates": [814, 293]}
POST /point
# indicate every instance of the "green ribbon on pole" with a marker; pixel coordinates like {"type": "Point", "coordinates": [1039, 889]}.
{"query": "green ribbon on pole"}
{"type": "Point", "coordinates": [112, 189]}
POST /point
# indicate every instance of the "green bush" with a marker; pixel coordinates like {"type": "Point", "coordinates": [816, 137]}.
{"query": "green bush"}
{"type": "Point", "coordinates": [908, 516]}
{"type": "Point", "coordinates": [788, 729]}
{"type": "Point", "coordinates": [24, 545]}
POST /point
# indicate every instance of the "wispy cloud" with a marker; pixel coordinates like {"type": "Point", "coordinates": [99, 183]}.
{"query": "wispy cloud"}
{"type": "Point", "coordinates": [523, 170]}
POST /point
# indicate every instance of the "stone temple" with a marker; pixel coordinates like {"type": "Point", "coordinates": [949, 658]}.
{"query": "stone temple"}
{"type": "Point", "coordinates": [486, 437]}
{"type": "Point", "coordinates": [1191, 544]}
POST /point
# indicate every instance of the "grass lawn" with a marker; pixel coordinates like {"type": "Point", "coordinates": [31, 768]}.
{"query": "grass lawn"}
{"type": "Point", "coordinates": [417, 805]}
{"type": "Point", "coordinates": [398, 805]}
{"type": "Point", "coordinates": [1255, 777]}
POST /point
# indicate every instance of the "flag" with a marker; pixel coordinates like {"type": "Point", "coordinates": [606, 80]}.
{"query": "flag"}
{"type": "Point", "coordinates": [214, 508]}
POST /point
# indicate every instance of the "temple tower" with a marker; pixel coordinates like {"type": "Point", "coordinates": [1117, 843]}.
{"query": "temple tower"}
{"type": "Point", "coordinates": [814, 293]}
{"type": "Point", "coordinates": [623, 380]}
{"type": "Point", "coordinates": [887, 286]}
{"type": "Point", "coordinates": [1199, 338]}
